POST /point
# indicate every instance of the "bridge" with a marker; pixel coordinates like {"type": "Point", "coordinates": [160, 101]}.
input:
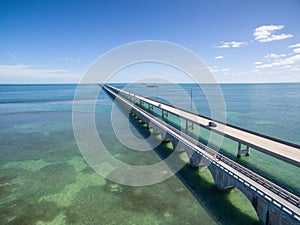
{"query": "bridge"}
{"type": "Point", "coordinates": [273, 204]}
{"type": "Point", "coordinates": [279, 149]}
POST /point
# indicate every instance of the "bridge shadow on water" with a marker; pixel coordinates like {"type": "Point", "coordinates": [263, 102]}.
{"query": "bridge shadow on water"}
{"type": "Point", "coordinates": [228, 207]}
{"type": "Point", "coordinates": [246, 161]}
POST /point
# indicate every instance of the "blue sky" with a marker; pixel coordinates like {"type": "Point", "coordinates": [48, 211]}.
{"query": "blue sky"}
{"type": "Point", "coordinates": [241, 41]}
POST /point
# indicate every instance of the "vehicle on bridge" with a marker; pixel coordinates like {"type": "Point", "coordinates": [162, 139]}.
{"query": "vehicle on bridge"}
{"type": "Point", "coordinates": [212, 124]}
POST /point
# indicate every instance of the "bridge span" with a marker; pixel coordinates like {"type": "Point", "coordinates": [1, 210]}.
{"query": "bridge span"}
{"type": "Point", "coordinates": [273, 204]}
{"type": "Point", "coordinates": [282, 150]}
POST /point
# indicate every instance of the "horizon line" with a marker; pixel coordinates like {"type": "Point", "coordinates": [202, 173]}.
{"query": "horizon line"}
{"type": "Point", "coordinates": [287, 82]}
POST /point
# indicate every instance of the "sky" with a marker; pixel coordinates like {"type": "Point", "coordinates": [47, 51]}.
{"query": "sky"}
{"type": "Point", "coordinates": [240, 41]}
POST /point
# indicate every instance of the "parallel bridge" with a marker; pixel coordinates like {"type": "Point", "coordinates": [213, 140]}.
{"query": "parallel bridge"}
{"type": "Point", "coordinates": [282, 150]}
{"type": "Point", "coordinates": [273, 204]}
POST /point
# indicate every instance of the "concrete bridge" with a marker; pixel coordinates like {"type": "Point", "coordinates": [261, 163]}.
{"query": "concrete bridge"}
{"type": "Point", "coordinates": [273, 204]}
{"type": "Point", "coordinates": [285, 151]}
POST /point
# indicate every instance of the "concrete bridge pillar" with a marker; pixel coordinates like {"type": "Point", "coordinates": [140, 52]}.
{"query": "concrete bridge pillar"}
{"type": "Point", "coordinates": [220, 178]}
{"type": "Point", "coordinates": [145, 121]}
{"type": "Point", "coordinates": [164, 114]}
{"type": "Point", "coordinates": [187, 125]}
{"type": "Point", "coordinates": [150, 107]}
{"type": "Point", "coordinates": [141, 103]}
{"type": "Point", "coordinates": [179, 147]}
{"type": "Point", "coordinates": [163, 135]}
{"type": "Point", "coordinates": [155, 129]}
{"type": "Point", "coordinates": [267, 212]}
{"type": "Point", "coordinates": [167, 137]}
{"type": "Point", "coordinates": [195, 158]}
{"type": "Point", "coordinates": [132, 111]}
{"type": "Point", "coordinates": [241, 151]}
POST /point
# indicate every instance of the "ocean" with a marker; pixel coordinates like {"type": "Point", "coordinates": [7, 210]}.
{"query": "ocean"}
{"type": "Point", "coordinates": [44, 179]}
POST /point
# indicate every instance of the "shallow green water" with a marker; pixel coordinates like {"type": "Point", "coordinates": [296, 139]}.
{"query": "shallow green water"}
{"type": "Point", "coordinates": [45, 180]}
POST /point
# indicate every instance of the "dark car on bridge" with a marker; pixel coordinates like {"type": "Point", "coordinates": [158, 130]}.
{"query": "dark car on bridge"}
{"type": "Point", "coordinates": [212, 124]}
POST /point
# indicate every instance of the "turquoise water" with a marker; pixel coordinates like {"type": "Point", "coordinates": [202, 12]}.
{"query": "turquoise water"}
{"type": "Point", "coordinates": [270, 109]}
{"type": "Point", "coordinates": [45, 180]}
{"type": "Point", "coordinates": [265, 108]}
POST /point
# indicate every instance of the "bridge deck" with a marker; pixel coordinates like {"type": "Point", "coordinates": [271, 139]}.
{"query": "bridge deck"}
{"type": "Point", "coordinates": [280, 150]}
{"type": "Point", "coordinates": [270, 191]}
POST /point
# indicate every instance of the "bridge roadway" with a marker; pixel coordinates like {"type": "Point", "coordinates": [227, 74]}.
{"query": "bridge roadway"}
{"type": "Point", "coordinates": [271, 193]}
{"type": "Point", "coordinates": [282, 150]}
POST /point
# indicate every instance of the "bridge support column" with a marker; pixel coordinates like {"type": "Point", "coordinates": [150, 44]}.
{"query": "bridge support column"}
{"type": "Point", "coordinates": [241, 151]}
{"type": "Point", "coordinates": [132, 111]}
{"type": "Point", "coordinates": [178, 146]}
{"type": "Point", "coordinates": [167, 137]}
{"type": "Point", "coordinates": [145, 121]}
{"type": "Point", "coordinates": [195, 158]}
{"type": "Point", "coordinates": [150, 107]}
{"type": "Point", "coordinates": [187, 125]}
{"type": "Point", "coordinates": [155, 130]}
{"type": "Point", "coordinates": [158, 130]}
{"type": "Point", "coordinates": [164, 114]}
{"type": "Point", "coordinates": [141, 103]}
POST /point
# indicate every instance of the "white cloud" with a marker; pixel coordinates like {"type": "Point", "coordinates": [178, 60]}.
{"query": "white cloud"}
{"type": "Point", "coordinates": [286, 67]}
{"type": "Point", "coordinates": [219, 57]}
{"type": "Point", "coordinates": [296, 50]}
{"type": "Point", "coordinates": [266, 33]}
{"type": "Point", "coordinates": [67, 59]}
{"type": "Point", "coordinates": [281, 62]}
{"type": "Point", "coordinates": [34, 73]}
{"type": "Point", "coordinates": [231, 44]}
{"type": "Point", "coordinates": [215, 69]}
{"type": "Point", "coordinates": [295, 46]}
{"type": "Point", "coordinates": [225, 70]}
{"type": "Point", "coordinates": [274, 56]}
{"type": "Point", "coordinates": [295, 68]}
{"type": "Point", "coordinates": [258, 63]}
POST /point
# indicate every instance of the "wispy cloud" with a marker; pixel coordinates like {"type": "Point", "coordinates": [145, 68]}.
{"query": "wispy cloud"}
{"type": "Point", "coordinates": [67, 59]}
{"type": "Point", "coordinates": [274, 56]}
{"type": "Point", "coordinates": [266, 33]}
{"type": "Point", "coordinates": [34, 73]}
{"type": "Point", "coordinates": [231, 44]}
{"type": "Point", "coordinates": [219, 57]}
{"type": "Point", "coordinates": [11, 55]}
{"type": "Point", "coordinates": [28, 69]}
{"type": "Point", "coordinates": [281, 62]}
{"type": "Point", "coordinates": [224, 71]}
{"type": "Point", "coordinates": [295, 46]}
{"type": "Point", "coordinates": [257, 63]}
